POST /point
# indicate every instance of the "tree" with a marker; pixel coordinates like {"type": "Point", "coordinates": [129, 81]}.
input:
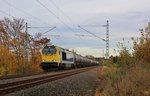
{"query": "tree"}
{"type": "Point", "coordinates": [14, 45]}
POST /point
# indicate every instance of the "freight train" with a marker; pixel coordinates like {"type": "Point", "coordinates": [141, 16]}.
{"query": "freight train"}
{"type": "Point", "coordinates": [57, 57]}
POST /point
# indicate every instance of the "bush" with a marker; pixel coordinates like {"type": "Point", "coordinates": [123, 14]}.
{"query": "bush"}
{"type": "Point", "coordinates": [133, 70]}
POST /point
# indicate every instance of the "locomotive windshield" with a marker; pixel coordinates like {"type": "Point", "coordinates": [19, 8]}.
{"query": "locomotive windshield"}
{"type": "Point", "coordinates": [49, 50]}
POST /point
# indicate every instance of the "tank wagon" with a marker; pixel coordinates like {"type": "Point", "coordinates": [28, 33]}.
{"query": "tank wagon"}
{"type": "Point", "coordinates": [57, 57]}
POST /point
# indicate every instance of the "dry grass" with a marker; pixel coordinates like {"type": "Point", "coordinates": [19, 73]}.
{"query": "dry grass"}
{"type": "Point", "coordinates": [134, 83]}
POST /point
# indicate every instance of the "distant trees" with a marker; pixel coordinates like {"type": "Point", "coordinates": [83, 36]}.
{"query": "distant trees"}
{"type": "Point", "coordinates": [15, 44]}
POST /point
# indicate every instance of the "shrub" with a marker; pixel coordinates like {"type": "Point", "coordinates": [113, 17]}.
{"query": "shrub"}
{"type": "Point", "coordinates": [133, 70]}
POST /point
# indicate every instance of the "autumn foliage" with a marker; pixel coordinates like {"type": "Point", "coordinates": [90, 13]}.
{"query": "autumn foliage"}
{"type": "Point", "coordinates": [129, 73]}
{"type": "Point", "coordinates": [19, 50]}
{"type": "Point", "coordinates": [142, 45]}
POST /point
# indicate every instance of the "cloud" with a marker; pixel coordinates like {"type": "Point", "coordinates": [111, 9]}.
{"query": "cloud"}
{"type": "Point", "coordinates": [126, 18]}
{"type": "Point", "coordinates": [89, 51]}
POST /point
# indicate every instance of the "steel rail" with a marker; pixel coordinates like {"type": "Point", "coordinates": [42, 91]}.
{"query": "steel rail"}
{"type": "Point", "coordinates": [24, 84]}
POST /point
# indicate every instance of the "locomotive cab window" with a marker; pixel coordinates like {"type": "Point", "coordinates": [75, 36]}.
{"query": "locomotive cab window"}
{"type": "Point", "coordinates": [52, 50]}
{"type": "Point", "coordinates": [46, 50]}
{"type": "Point", "coordinates": [63, 56]}
{"type": "Point", "coordinates": [49, 50]}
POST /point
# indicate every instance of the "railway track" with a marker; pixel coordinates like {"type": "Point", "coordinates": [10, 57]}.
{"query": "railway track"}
{"type": "Point", "coordinates": [24, 84]}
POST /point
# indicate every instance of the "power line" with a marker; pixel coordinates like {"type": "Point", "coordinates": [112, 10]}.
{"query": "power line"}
{"type": "Point", "coordinates": [83, 35]}
{"type": "Point", "coordinates": [93, 25]}
{"type": "Point", "coordinates": [13, 16]}
{"type": "Point", "coordinates": [91, 33]}
{"type": "Point", "coordinates": [24, 12]}
{"type": "Point", "coordinates": [107, 35]}
{"type": "Point", "coordinates": [42, 27]}
{"type": "Point", "coordinates": [28, 24]}
{"type": "Point", "coordinates": [53, 14]}
{"type": "Point", "coordinates": [54, 35]}
{"type": "Point", "coordinates": [37, 28]}
{"type": "Point", "coordinates": [61, 11]}
{"type": "Point", "coordinates": [49, 30]}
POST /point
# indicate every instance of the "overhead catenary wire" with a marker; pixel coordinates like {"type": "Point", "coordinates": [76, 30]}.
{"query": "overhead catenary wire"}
{"type": "Point", "coordinates": [33, 27]}
{"type": "Point", "coordinates": [38, 28]}
{"type": "Point", "coordinates": [83, 35]}
{"type": "Point", "coordinates": [49, 30]}
{"type": "Point", "coordinates": [107, 35]}
{"type": "Point", "coordinates": [54, 35]}
{"type": "Point", "coordinates": [54, 14]}
{"type": "Point", "coordinates": [62, 11]}
{"type": "Point", "coordinates": [24, 12]}
{"type": "Point", "coordinates": [93, 25]}
{"type": "Point", "coordinates": [42, 27]}
{"type": "Point", "coordinates": [91, 33]}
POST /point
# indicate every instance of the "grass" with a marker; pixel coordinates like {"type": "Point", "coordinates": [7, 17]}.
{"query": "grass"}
{"type": "Point", "coordinates": [135, 82]}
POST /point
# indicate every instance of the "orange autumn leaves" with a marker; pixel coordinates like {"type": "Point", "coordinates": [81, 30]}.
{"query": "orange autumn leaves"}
{"type": "Point", "coordinates": [7, 61]}
{"type": "Point", "coordinates": [14, 45]}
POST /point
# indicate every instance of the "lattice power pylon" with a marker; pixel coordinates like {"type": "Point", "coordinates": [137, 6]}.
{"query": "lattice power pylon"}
{"type": "Point", "coordinates": [107, 35]}
{"type": "Point", "coordinates": [107, 39]}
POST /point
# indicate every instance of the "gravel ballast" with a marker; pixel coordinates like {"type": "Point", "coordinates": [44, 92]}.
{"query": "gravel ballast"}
{"type": "Point", "coordinates": [82, 84]}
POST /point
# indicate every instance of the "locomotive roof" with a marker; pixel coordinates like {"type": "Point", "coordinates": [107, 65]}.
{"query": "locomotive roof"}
{"type": "Point", "coordinates": [59, 47]}
{"type": "Point", "coordinates": [67, 50]}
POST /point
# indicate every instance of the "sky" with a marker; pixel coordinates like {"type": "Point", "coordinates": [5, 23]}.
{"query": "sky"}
{"type": "Point", "coordinates": [125, 17]}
